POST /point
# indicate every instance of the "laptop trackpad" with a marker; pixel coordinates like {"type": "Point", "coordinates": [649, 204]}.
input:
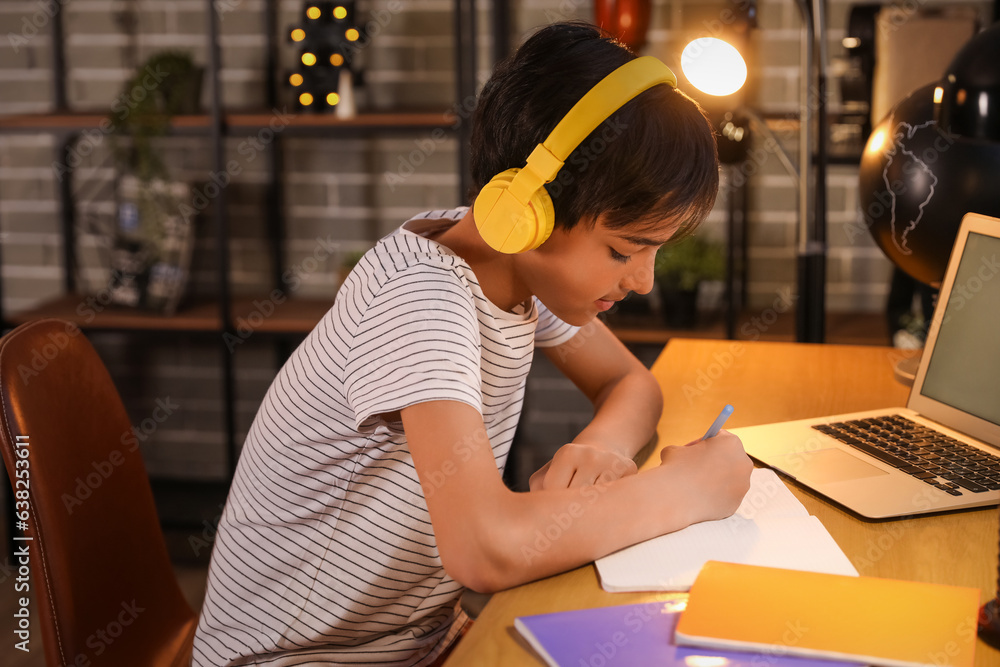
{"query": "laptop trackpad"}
{"type": "Point", "coordinates": [825, 466]}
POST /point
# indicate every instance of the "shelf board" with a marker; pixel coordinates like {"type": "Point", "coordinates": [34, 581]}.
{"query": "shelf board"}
{"type": "Point", "coordinates": [292, 316]}
{"type": "Point", "coordinates": [87, 314]}
{"type": "Point", "coordinates": [259, 314]}
{"type": "Point", "coordinates": [380, 120]}
{"type": "Point", "coordinates": [75, 122]}
{"type": "Point", "coordinates": [254, 314]}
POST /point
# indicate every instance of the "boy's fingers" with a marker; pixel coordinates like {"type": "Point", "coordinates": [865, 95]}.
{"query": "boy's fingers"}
{"type": "Point", "coordinates": [607, 476]}
{"type": "Point", "coordinates": [559, 477]}
{"type": "Point", "coordinates": [535, 482]}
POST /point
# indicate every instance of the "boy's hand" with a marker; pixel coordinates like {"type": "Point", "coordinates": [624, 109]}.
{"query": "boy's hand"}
{"type": "Point", "coordinates": [577, 465]}
{"type": "Point", "coordinates": [717, 474]}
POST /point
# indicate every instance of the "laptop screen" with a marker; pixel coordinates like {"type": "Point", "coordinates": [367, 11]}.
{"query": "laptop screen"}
{"type": "Point", "coordinates": [964, 369]}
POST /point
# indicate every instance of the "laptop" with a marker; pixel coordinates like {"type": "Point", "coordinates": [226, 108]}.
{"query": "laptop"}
{"type": "Point", "coordinates": [942, 451]}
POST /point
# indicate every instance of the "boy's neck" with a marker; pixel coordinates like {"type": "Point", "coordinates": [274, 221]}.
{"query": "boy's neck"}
{"type": "Point", "coordinates": [496, 271]}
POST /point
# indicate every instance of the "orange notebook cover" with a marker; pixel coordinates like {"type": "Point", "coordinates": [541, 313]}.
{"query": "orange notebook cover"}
{"type": "Point", "coordinates": [788, 612]}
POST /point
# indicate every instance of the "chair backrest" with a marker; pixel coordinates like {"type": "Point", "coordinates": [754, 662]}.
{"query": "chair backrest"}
{"type": "Point", "coordinates": [105, 587]}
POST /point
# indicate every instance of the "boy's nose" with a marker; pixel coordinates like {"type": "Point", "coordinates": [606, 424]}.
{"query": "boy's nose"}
{"type": "Point", "coordinates": [640, 280]}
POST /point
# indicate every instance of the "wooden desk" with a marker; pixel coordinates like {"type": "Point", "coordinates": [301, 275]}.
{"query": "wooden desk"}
{"type": "Point", "coordinates": [768, 382]}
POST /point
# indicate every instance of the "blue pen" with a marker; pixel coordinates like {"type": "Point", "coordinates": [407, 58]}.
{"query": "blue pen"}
{"type": "Point", "coordinates": [713, 430]}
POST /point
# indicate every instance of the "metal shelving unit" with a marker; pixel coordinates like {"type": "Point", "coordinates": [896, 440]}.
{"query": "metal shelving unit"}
{"type": "Point", "coordinates": [295, 317]}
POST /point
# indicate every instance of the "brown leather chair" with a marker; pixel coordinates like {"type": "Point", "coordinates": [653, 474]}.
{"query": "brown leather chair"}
{"type": "Point", "coordinates": [105, 589]}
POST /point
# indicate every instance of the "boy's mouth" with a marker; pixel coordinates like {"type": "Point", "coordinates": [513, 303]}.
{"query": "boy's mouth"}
{"type": "Point", "coordinates": [604, 304]}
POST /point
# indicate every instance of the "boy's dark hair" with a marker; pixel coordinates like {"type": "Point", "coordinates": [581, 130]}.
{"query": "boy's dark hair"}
{"type": "Point", "coordinates": [654, 158]}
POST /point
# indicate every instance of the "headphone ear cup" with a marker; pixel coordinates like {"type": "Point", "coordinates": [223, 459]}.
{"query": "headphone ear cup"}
{"type": "Point", "coordinates": [506, 224]}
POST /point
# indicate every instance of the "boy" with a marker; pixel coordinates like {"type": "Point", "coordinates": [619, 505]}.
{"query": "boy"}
{"type": "Point", "coordinates": [369, 490]}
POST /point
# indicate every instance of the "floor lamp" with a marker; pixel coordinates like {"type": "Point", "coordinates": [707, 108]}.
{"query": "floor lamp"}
{"type": "Point", "coordinates": [717, 68]}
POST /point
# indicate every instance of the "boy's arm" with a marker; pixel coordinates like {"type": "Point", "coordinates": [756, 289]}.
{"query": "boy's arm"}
{"type": "Point", "coordinates": [491, 538]}
{"type": "Point", "coordinates": [627, 405]}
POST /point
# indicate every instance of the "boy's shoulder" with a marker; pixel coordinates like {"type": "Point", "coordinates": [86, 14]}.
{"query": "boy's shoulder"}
{"type": "Point", "coordinates": [410, 253]}
{"type": "Point", "coordinates": [411, 244]}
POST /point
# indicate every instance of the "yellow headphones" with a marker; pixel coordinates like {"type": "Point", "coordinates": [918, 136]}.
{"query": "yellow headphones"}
{"type": "Point", "coordinates": [513, 212]}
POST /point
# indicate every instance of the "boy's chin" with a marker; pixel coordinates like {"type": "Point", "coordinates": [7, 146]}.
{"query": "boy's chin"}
{"type": "Point", "coordinates": [577, 318]}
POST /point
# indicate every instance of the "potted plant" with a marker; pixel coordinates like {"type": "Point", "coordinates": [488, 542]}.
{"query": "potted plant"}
{"type": "Point", "coordinates": [679, 269]}
{"type": "Point", "coordinates": [154, 236]}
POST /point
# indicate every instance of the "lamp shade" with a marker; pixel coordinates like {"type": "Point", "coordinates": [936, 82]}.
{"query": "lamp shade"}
{"type": "Point", "coordinates": [970, 100]}
{"type": "Point", "coordinates": [916, 181]}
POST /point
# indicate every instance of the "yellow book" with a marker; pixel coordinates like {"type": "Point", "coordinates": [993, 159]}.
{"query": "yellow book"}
{"type": "Point", "coordinates": [788, 612]}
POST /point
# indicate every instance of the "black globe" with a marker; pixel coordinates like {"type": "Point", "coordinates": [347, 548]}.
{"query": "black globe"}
{"type": "Point", "coordinates": [917, 181]}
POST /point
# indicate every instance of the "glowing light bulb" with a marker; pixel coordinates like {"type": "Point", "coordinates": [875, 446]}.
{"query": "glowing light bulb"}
{"type": "Point", "coordinates": [332, 99]}
{"type": "Point", "coordinates": [938, 94]}
{"type": "Point", "coordinates": [336, 60]}
{"type": "Point", "coordinates": [352, 35]}
{"type": "Point", "coordinates": [298, 35]}
{"type": "Point", "coordinates": [713, 66]}
{"type": "Point", "coordinates": [876, 142]}
{"type": "Point", "coordinates": [313, 13]}
{"type": "Point", "coordinates": [308, 59]}
{"type": "Point", "coordinates": [305, 99]}
{"type": "Point", "coordinates": [339, 12]}
{"type": "Point", "coordinates": [295, 79]}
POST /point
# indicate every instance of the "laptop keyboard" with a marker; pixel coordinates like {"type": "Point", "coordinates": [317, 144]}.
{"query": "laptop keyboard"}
{"type": "Point", "coordinates": [922, 452]}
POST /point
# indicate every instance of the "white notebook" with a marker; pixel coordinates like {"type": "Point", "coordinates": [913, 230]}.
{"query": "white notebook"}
{"type": "Point", "coordinates": [770, 528]}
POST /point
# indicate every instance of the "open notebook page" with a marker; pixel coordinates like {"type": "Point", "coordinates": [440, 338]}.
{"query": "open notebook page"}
{"type": "Point", "coordinates": [771, 527]}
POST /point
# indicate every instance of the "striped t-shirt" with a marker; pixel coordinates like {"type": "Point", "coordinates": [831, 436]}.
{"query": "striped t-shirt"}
{"type": "Point", "coordinates": [325, 551]}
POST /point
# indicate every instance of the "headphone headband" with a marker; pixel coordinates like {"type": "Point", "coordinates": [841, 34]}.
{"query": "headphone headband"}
{"type": "Point", "coordinates": [502, 207]}
{"type": "Point", "coordinates": [610, 94]}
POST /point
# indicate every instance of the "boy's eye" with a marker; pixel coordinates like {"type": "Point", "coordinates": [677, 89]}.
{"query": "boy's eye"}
{"type": "Point", "coordinates": [617, 256]}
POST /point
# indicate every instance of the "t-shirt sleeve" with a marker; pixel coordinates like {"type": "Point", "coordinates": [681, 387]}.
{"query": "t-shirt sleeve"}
{"type": "Point", "coordinates": [417, 341]}
{"type": "Point", "coordinates": [550, 330]}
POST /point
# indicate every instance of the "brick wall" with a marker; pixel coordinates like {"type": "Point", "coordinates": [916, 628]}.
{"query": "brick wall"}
{"type": "Point", "coordinates": [335, 190]}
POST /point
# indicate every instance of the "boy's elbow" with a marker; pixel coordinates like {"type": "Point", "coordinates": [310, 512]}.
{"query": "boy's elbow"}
{"type": "Point", "coordinates": [477, 578]}
{"type": "Point", "coordinates": [479, 570]}
{"type": "Point", "coordinates": [484, 559]}
{"type": "Point", "coordinates": [648, 386]}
